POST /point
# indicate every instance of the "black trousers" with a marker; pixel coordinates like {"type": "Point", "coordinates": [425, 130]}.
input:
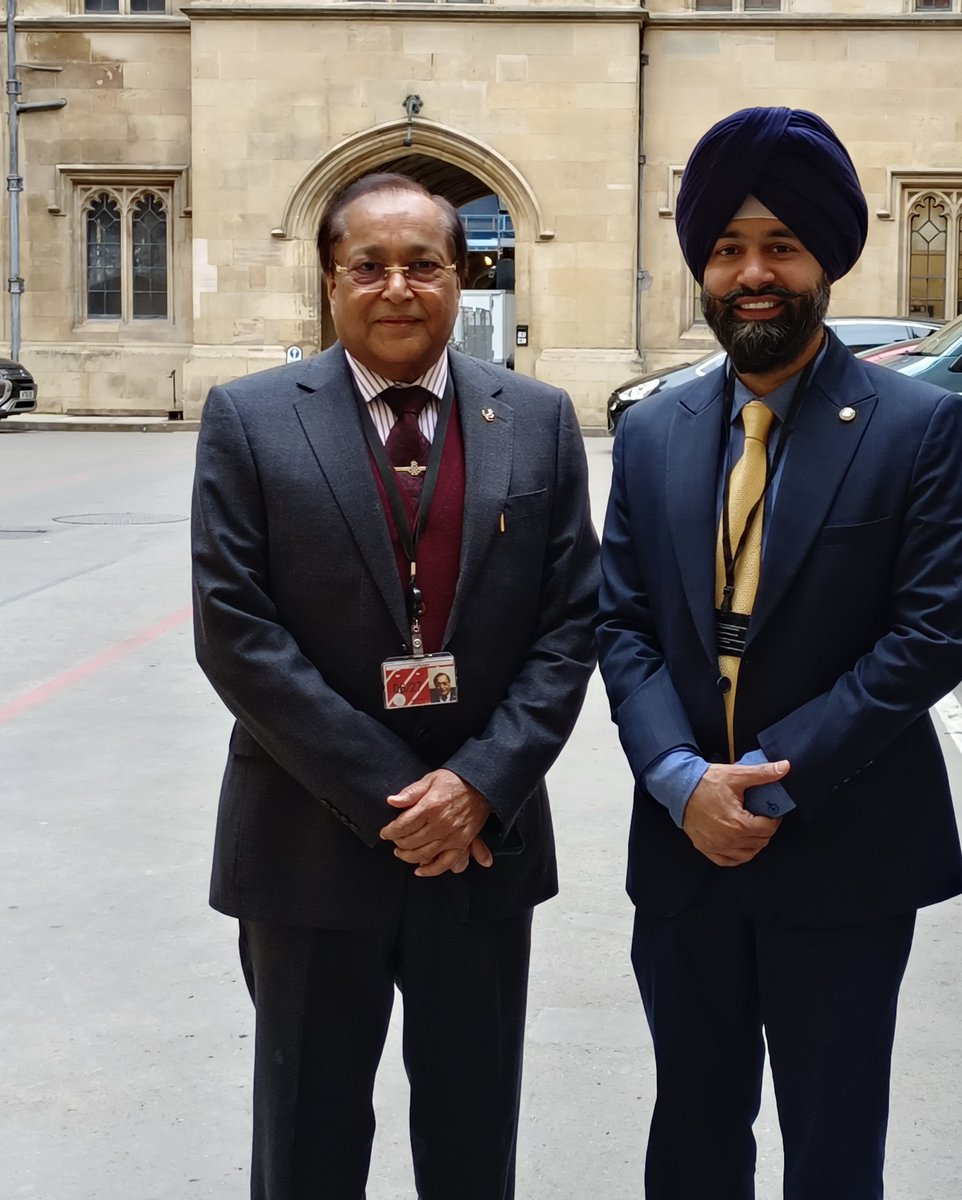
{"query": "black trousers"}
{"type": "Point", "coordinates": [724, 977]}
{"type": "Point", "coordinates": [323, 1000]}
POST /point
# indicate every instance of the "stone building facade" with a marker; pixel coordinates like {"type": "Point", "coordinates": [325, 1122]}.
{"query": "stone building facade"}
{"type": "Point", "coordinates": [169, 209]}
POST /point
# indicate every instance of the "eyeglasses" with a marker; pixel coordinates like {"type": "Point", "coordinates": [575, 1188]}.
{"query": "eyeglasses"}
{"type": "Point", "coordinates": [422, 273]}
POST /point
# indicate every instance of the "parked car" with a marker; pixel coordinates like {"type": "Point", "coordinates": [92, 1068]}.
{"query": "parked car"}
{"type": "Point", "coordinates": [18, 392]}
{"type": "Point", "coordinates": [884, 356]}
{"type": "Point", "coordinates": [936, 359]}
{"type": "Point", "coordinates": [858, 333]}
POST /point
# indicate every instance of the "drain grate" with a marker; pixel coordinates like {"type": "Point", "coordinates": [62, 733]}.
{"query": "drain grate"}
{"type": "Point", "coordinates": [121, 519]}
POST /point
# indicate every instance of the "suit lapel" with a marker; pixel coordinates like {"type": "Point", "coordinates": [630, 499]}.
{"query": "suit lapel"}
{"type": "Point", "coordinates": [694, 445]}
{"type": "Point", "coordinates": [816, 460]}
{"type": "Point", "coordinates": [331, 422]}
{"type": "Point", "coordinates": [488, 447]}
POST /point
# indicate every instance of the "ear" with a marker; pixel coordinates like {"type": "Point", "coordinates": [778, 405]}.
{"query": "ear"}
{"type": "Point", "coordinates": [330, 283]}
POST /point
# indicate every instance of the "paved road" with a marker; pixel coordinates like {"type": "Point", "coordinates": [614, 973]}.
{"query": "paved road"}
{"type": "Point", "coordinates": [127, 1056]}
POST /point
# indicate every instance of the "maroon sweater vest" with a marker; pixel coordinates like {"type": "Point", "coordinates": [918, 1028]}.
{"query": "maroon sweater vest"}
{"type": "Point", "coordinates": [439, 549]}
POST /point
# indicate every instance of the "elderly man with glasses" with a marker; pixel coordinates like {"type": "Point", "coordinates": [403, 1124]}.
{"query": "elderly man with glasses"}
{"type": "Point", "coordinates": [366, 522]}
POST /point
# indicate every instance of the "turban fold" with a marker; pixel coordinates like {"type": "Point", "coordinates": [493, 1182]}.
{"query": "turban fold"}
{"type": "Point", "coordinates": [792, 161]}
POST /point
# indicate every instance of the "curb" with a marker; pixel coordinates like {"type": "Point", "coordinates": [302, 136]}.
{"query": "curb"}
{"type": "Point", "coordinates": [65, 423]}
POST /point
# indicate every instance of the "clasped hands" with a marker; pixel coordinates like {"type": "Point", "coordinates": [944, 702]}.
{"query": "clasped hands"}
{"type": "Point", "coordinates": [439, 829]}
{"type": "Point", "coordinates": [716, 819]}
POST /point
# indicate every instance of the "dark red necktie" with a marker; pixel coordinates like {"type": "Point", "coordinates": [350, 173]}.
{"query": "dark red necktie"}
{"type": "Point", "coordinates": [406, 445]}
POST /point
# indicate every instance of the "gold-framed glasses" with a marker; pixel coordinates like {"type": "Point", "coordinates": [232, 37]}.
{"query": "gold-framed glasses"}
{"type": "Point", "coordinates": [421, 273]}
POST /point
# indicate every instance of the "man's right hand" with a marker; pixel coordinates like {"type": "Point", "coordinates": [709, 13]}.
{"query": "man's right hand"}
{"type": "Point", "coordinates": [716, 819]}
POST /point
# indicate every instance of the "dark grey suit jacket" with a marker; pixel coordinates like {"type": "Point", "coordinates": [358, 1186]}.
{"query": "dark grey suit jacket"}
{"type": "Point", "coordinates": [298, 601]}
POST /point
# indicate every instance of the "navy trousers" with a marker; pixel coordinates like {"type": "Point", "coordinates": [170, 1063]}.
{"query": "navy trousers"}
{"type": "Point", "coordinates": [721, 979]}
{"type": "Point", "coordinates": [323, 999]}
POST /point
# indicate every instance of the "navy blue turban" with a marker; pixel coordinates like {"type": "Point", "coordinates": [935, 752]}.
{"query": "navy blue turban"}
{"type": "Point", "coordinates": [794, 164]}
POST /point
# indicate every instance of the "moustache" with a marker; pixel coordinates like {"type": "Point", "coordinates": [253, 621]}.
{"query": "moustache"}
{"type": "Point", "coordinates": [743, 293]}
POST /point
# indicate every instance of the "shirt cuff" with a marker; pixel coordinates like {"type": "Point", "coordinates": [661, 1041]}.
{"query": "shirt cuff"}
{"type": "Point", "coordinates": [768, 799]}
{"type": "Point", "coordinates": [673, 777]}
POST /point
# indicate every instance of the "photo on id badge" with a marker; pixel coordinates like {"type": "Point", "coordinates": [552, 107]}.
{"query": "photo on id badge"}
{"type": "Point", "coordinates": [411, 682]}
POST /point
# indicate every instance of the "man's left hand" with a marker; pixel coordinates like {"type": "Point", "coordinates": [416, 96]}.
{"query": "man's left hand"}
{"type": "Point", "coordinates": [439, 828]}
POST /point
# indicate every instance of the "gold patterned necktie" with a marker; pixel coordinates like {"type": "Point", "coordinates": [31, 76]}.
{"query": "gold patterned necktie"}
{"type": "Point", "coordinates": [746, 491]}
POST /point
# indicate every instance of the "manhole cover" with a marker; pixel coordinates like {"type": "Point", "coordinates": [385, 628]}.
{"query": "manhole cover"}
{"type": "Point", "coordinates": [121, 519]}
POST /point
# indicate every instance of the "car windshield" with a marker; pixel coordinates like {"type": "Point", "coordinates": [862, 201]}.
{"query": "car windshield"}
{"type": "Point", "coordinates": [941, 340]}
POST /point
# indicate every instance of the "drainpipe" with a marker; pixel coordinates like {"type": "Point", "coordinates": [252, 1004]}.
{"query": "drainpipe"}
{"type": "Point", "coordinates": [642, 277]}
{"type": "Point", "coordinates": [14, 181]}
{"type": "Point", "coordinates": [14, 178]}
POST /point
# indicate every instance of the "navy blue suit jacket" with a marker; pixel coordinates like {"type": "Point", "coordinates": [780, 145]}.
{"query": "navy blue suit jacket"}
{"type": "Point", "coordinates": [298, 601]}
{"type": "Point", "coordinates": [856, 632]}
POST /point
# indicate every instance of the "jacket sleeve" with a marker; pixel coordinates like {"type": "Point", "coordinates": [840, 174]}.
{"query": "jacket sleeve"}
{"type": "Point", "coordinates": [645, 706]}
{"type": "Point", "coordinates": [347, 760]}
{"type": "Point", "coordinates": [917, 661]}
{"type": "Point", "coordinates": [527, 730]}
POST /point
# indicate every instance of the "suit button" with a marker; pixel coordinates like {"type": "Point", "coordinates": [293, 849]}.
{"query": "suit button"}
{"type": "Point", "coordinates": [724, 684]}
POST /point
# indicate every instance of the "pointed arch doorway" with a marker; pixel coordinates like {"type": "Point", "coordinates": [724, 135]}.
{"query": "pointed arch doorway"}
{"type": "Point", "coordinates": [463, 170]}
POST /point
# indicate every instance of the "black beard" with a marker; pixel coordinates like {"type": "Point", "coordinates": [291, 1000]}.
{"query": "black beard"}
{"type": "Point", "coordinates": [757, 347]}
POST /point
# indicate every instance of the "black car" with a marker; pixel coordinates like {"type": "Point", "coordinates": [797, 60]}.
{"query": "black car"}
{"type": "Point", "coordinates": [18, 392]}
{"type": "Point", "coordinates": [858, 333]}
{"type": "Point", "coordinates": [936, 359]}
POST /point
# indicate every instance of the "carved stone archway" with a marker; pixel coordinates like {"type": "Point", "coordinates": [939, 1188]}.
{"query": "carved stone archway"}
{"type": "Point", "coordinates": [445, 160]}
{"type": "Point", "coordinates": [383, 146]}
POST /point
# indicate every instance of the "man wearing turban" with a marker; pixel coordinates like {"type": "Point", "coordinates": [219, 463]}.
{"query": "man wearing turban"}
{"type": "Point", "coordinates": [779, 610]}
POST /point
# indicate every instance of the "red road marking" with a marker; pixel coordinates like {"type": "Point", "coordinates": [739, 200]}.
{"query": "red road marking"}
{"type": "Point", "coordinates": [59, 683]}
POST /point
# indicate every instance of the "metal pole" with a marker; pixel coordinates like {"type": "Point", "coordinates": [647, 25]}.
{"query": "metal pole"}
{"type": "Point", "coordinates": [14, 180]}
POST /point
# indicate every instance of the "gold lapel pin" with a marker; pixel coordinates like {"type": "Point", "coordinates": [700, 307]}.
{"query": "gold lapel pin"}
{"type": "Point", "coordinates": [488, 414]}
{"type": "Point", "coordinates": [846, 414]}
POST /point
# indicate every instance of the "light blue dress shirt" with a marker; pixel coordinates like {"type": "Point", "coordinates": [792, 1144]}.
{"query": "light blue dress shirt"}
{"type": "Point", "coordinates": [673, 777]}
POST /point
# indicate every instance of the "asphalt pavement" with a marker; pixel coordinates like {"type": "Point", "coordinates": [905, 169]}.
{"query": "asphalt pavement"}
{"type": "Point", "coordinates": [127, 1055]}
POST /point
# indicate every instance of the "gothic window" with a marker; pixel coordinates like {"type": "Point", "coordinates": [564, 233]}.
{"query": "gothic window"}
{"type": "Point", "coordinates": [125, 6]}
{"type": "Point", "coordinates": [934, 241]}
{"type": "Point", "coordinates": [149, 223]}
{"type": "Point", "coordinates": [737, 5]}
{"type": "Point", "coordinates": [104, 259]}
{"type": "Point", "coordinates": [126, 266]}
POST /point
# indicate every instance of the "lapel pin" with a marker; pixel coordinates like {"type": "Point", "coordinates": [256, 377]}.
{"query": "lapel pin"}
{"type": "Point", "coordinates": [846, 414]}
{"type": "Point", "coordinates": [488, 414]}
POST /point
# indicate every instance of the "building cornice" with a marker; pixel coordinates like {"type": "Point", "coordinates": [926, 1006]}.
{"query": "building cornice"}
{"type": "Point", "coordinates": [89, 23]}
{"type": "Point", "coordinates": [775, 21]}
{"type": "Point", "coordinates": [634, 15]}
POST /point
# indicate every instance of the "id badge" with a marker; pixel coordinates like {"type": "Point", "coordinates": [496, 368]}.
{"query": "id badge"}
{"type": "Point", "coordinates": [732, 630]}
{"type": "Point", "coordinates": [413, 682]}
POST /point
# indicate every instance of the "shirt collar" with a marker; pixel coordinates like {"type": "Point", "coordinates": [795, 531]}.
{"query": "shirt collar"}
{"type": "Point", "coordinates": [371, 384]}
{"type": "Point", "coordinates": [780, 400]}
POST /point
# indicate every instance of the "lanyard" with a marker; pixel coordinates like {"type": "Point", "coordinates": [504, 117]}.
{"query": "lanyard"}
{"type": "Point", "coordinates": [409, 534]}
{"type": "Point", "coordinates": [730, 558]}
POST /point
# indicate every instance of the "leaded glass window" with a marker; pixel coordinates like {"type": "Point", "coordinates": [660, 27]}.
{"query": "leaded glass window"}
{"type": "Point", "coordinates": [127, 254]}
{"type": "Point", "coordinates": [150, 259]}
{"type": "Point", "coordinates": [934, 260]}
{"type": "Point", "coordinates": [127, 6]}
{"type": "Point", "coordinates": [928, 235]}
{"type": "Point", "coordinates": [104, 259]}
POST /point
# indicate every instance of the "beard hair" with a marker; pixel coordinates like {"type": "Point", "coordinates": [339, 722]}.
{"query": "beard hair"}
{"type": "Point", "coordinates": [757, 347]}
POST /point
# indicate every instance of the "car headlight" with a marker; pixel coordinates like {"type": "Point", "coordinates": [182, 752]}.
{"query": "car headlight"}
{"type": "Point", "coordinates": [640, 390]}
